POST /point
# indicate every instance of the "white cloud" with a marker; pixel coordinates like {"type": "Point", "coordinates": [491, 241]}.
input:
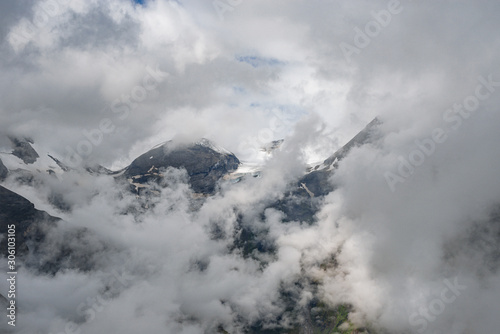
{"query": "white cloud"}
{"type": "Point", "coordinates": [228, 81]}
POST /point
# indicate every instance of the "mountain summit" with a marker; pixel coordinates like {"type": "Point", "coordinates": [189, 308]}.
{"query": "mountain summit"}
{"type": "Point", "coordinates": [204, 162]}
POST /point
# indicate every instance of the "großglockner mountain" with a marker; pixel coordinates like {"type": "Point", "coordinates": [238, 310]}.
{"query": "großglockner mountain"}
{"type": "Point", "coordinates": [204, 162]}
{"type": "Point", "coordinates": [48, 245]}
{"type": "Point", "coordinates": [304, 200]}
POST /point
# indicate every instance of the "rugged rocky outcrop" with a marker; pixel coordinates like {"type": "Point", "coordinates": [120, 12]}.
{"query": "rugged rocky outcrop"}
{"type": "Point", "coordinates": [204, 162]}
{"type": "Point", "coordinates": [23, 150]}
{"type": "Point", "coordinates": [369, 134]}
{"type": "Point", "coordinates": [316, 181]}
{"type": "Point", "coordinates": [3, 171]}
{"type": "Point", "coordinates": [39, 244]}
{"type": "Point", "coordinates": [303, 201]}
{"type": "Point", "coordinates": [49, 245]}
{"type": "Point", "coordinates": [29, 222]}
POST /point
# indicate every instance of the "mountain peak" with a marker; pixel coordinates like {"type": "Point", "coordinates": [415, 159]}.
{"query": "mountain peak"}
{"type": "Point", "coordinates": [204, 162]}
{"type": "Point", "coordinates": [23, 150]}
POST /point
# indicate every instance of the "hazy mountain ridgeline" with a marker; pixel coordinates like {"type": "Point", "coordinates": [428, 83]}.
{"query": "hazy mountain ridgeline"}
{"type": "Point", "coordinates": [48, 245]}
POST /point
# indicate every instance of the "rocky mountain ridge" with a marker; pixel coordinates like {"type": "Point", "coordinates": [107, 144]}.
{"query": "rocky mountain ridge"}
{"type": "Point", "coordinates": [206, 165]}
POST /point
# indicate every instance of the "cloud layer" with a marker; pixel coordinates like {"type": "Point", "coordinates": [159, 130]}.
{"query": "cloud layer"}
{"type": "Point", "coordinates": [109, 80]}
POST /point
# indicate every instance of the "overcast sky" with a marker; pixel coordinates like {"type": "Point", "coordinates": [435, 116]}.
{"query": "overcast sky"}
{"type": "Point", "coordinates": [228, 71]}
{"type": "Point", "coordinates": [243, 73]}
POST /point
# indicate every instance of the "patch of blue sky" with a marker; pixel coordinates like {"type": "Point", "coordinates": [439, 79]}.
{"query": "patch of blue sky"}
{"type": "Point", "coordinates": [285, 112]}
{"type": "Point", "coordinates": [239, 90]}
{"type": "Point", "coordinates": [256, 61]}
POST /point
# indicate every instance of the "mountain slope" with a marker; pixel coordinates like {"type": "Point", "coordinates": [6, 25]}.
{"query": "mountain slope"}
{"type": "Point", "coordinates": [204, 162]}
{"type": "Point", "coordinates": [304, 199]}
{"type": "Point", "coordinates": [23, 150]}
{"type": "Point", "coordinates": [3, 171]}
{"type": "Point", "coordinates": [29, 222]}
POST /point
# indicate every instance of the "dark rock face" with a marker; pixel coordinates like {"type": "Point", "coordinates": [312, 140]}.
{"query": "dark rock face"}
{"type": "Point", "coordinates": [3, 171]}
{"type": "Point", "coordinates": [316, 181]}
{"type": "Point", "coordinates": [298, 207]}
{"type": "Point", "coordinates": [23, 150]}
{"type": "Point", "coordinates": [98, 170]}
{"type": "Point", "coordinates": [43, 242]}
{"type": "Point", "coordinates": [30, 222]}
{"type": "Point", "coordinates": [204, 165]}
{"type": "Point", "coordinates": [303, 201]}
{"type": "Point", "coordinates": [367, 135]}
{"type": "Point", "coordinates": [59, 163]}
